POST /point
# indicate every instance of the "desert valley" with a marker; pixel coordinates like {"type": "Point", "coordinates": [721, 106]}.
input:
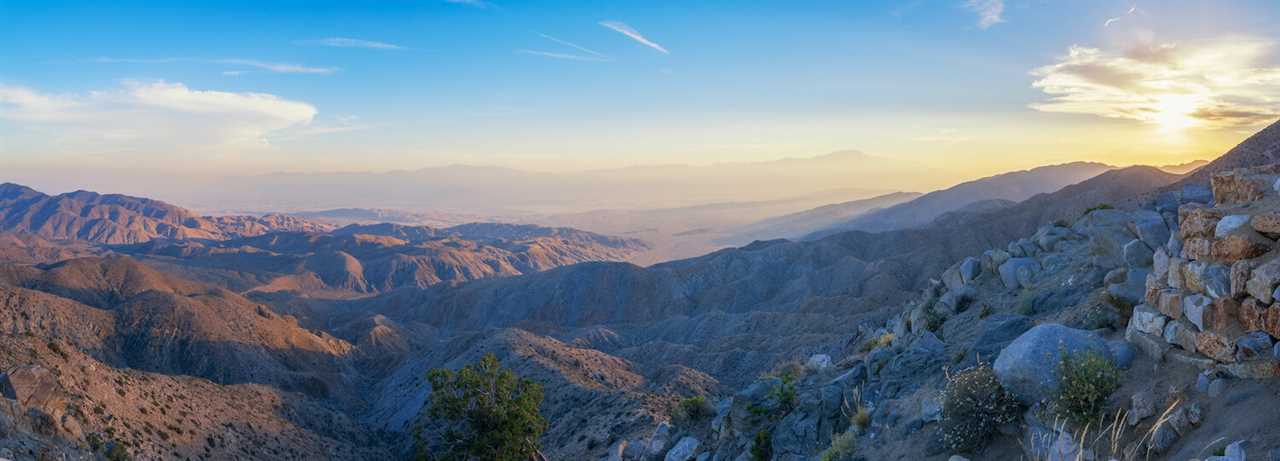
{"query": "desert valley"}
{"type": "Point", "coordinates": [586, 242]}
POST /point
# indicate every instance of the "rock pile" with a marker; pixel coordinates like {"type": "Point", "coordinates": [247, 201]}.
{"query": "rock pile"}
{"type": "Point", "coordinates": [1211, 295]}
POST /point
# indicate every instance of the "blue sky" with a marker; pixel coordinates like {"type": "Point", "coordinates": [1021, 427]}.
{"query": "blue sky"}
{"type": "Point", "coordinates": [368, 85]}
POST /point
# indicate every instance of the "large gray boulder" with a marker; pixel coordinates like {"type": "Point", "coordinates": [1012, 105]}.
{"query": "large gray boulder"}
{"type": "Point", "coordinates": [684, 450]}
{"type": "Point", "coordinates": [1016, 271]}
{"type": "Point", "coordinates": [996, 332]}
{"type": "Point", "coordinates": [1028, 367]}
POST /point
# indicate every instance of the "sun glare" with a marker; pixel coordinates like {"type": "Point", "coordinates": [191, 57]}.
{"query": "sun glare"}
{"type": "Point", "coordinates": [1173, 112]}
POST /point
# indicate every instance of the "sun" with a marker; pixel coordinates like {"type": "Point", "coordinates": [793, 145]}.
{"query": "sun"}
{"type": "Point", "coordinates": [1173, 112]}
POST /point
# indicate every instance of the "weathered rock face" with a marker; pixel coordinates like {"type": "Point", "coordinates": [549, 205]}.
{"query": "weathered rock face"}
{"type": "Point", "coordinates": [1029, 367]}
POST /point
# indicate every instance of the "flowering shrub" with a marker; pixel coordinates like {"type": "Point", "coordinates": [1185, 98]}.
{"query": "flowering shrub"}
{"type": "Point", "coordinates": [974, 405]}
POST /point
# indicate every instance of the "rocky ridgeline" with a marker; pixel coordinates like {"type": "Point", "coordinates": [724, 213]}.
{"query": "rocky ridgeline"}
{"type": "Point", "coordinates": [1187, 287]}
{"type": "Point", "coordinates": [1211, 294]}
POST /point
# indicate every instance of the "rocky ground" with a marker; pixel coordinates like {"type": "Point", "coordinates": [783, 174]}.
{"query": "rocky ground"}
{"type": "Point", "coordinates": [1182, 295]}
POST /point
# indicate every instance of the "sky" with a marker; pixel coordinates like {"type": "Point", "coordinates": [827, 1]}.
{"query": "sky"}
{"type": "Point", "coordinates": [966, 87]}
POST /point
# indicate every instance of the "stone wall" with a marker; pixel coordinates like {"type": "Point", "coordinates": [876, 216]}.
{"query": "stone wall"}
{"type": "Point", "coordinates": [1211, 297]}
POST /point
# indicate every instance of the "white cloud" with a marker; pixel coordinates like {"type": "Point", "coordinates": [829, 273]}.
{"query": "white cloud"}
{"type": "Point", "coordinates": [633, 34]}
{"type": "Point", "coordinates": [1229, 82]}
{"type": "Point", "coordinates": [276, 67]}
{"type": "Point", "coordinates": [990, 12]}
{"type": "Point", "coordinates": [154, 116]}
{"type": "Point", "coordinates": [345, 42]}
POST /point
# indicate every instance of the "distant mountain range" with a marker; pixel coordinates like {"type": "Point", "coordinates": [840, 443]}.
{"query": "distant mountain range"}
{"type": "Point", "coordinates": [118, 219]}
{"type": "Point", "coordinates": [1015, 187]}
{"type": "Point", "coordinates": [505, 191]}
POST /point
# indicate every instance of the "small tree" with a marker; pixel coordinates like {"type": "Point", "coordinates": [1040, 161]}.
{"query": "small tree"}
{"type": "Point", "coordinates": [490, 413]}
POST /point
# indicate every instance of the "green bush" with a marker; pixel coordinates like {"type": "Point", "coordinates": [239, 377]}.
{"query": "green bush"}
{"type": "Point", "coordinates": [1100, 206]}
{"type": "Point", "coordinates": [842, 447]}
{"type": "Point", "coordinates": [491, 413]}
{"type": "Point", "coordinates": [974, 406]}
{"type": "Point", "coordinates": [695, 409]}
{"type": "Point", "coordinates": [762, 449]}
{"type": "Point", "coordinates": [1088, 380]}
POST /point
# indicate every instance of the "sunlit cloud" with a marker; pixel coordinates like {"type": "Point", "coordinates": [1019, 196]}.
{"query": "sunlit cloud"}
{"type": "Point", "coordinates": [990, 12]}
{"type": "Point", "coordinates": [1218, 84]}
{"type": "Point", "coordinates": [275, 67]}
{"type": "Point", "coordinates": [345, 42]}
{"type": "Point", "coordinates": [154, 115]}
{"type": "Point", "coordinates": [633, 34]}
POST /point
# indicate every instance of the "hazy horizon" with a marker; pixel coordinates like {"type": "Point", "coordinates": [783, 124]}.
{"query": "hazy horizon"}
{"type": "Point", "coordinates": [996, 86]}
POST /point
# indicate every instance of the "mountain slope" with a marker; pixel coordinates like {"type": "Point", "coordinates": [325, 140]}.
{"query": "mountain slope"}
{"type": "Point", "coordinates": [118, 219]}
{"type": "Point", "coordinates": [799, 224]}
{"type": "Point", "coordinates": [1015, 186]}
{"type": "Point", "coordinates": [380, 257]}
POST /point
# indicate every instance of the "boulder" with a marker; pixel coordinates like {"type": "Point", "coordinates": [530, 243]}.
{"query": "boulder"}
{"type": "Point", "coordinates": [1148, 320]}
{"type": "Point", "coordinates": [1150, 227]}
{"type": "Point", "coordinates": [818, 362]}
{"type": "Point", "coordinates": [1216, 346]}
{"type": "Point", "coordinates": [1029, 367]}
{"type": "Point", "coordinates": [1133, 290]}
{"type": "Point", "coordinates": [1239, 186]}
{"type": "Point", "coordinates": [993, 259]}
{"type": "Point", "coordinates": [1216, 281]}
{"type": "Point", "coordinates": [1240, 273]}
{"type": "Point", "coordinates": [1253, 346]}
{"type": "Point", "coordinates": [996, 332]}
{"type": "Point", "coordinates": [1121, 353]}
{"type": "Point", "coordinates": [1244, 243]}
{"type": "Point", "coordinates": [1230, 224]}
{"type": "Point", "coordinates": [684, 450]}
{"type": "Point", "coordinates": [1197, 249]}
{"type": "Point", "coordinates": [1197, 221]}
{"type": "Point", "coordinates": [1220, 316]}
{"type": "Point", "coordinates": [1141, 406]}
{"type": "Point", "coordinates": [1253, 315]}
{"type": "Point", "coordinates": [1016, 271]}
{"type": "Point", "coordinates": [970, 269]}
{"type": "Point", "coordinates": [1137, 254]}
{"type": "Point", "coordinates": [1181, 334]}
{"type": "Point", "coordinates": [1266, 223]}
{"type": "Point", "coordinates": [1160, 262]}
{"type": "Point", "coordinates": [1193, 309]}
{"type": "Point", "coordinates": [1176, 280]}
{"type": "Point", "coordinates": [1263, 280]}
{"type": "Point", "coordinates": [1170, 303]}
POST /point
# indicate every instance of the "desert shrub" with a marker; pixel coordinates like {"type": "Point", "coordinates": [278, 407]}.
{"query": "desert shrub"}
{"type": "Point", "coordinates": [116, 452]}
{"type": "Point", "coordinates": [933, 320]}
{"type": "Point", "coordinates": [57, 349]}
{"type": "Point", "coordinates": [490, 413]}
{"type": "Point", "coordinates": [861, 417]}
{"type": "Point", "coordinates": [785, 392]}
{"type": "Point", "coordinates": [1088, 380]}
{"type": "Point", "coordinates": [842, 447]}
{"type": "Point", "coordinates": [974, 405]}
{"type": "Point", "coordinates": [694, 409]}
{"type": "Point", "coordinates": [1100, 206]}
{"type": "Point", "coordinates": [762, 449]}
{"type": "Point", "coordinates": [985, 311]}
{"type": "Point", "coordinates": [878, 341]}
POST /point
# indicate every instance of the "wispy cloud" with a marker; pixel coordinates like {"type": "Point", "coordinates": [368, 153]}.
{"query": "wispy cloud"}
{"type": "Point", "coordinates": [990, 12]}
{"type": "Point", "coordinates": [564, 56]}
{"type": "Point", "coordinates": [345, 42]}
{"type": "Point", "coordinates": [633, 34]}
{"type": "Point", "coordinates": [1110, 21]}
{"type": "Point", "coordinates": [1230, 82]}
{"type": "Point", "coordinates": [156, 115]}
{"type": "Point", "coordinates": [585, 54]}
{"type": "Point", "coordinates": [276, 67]}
